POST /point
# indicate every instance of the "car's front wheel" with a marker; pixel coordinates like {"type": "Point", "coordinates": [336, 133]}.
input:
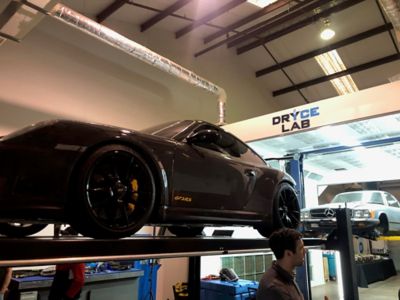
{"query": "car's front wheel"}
{"type": "Point", "coordinates": [286, 210]}
{"type": "Point", "coordinates": [20, 229]}
{"type": "Point", "coordinates": [115, 193]}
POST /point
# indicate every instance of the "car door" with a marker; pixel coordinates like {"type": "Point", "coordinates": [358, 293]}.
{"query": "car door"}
{"type": "Point", "coordinates": [393, 211]}
{"type": "Point", "coordinates": [206, 177]}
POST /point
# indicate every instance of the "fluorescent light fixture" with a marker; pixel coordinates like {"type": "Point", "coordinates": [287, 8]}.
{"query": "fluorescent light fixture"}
{"type": "Point", "coordinates": [339, 275]}
{"type": "Point", "coordinates": [261, 3]}
{"type": "Point", "coordinates": [332, 63]}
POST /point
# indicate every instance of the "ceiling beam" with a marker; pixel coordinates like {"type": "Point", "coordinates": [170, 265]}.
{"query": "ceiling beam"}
{"type": "Point", "coordinates": [281, 19]}
{"type": "Point", "coordinates": [216, 13]}
{"type": "Point", "coordinates": [286, 74]}
{"type": "Point", "coordinates": [163, 14]}
{"type": "Point", "coordinates": [130, 2]}
{"type": "Point", "coordinates": [8, 37]}
{"type": "Point", "coordinates": [311, 54]}
{"type": "Point", "coordinates": [349, 71]}
{"type": "Point", "coordinates": [248, 30]}
{"type": "Point", "coordinates": [295, 26]}
{"type": "Point", "coordinates": [266, 10]}
{"type": "Point", "coordinates": [109, 10]}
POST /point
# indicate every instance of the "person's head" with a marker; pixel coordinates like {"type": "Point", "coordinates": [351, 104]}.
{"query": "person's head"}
{"type": "Point", "coordinates": [287, 244]}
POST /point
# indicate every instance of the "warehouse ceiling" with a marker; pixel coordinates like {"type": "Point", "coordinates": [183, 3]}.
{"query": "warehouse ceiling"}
{"type": "Point", "coordinates": [278, 42]}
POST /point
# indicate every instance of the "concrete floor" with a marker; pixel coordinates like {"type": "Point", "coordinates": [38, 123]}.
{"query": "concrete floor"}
{"type": "Point", "coordinates": [381, 290]}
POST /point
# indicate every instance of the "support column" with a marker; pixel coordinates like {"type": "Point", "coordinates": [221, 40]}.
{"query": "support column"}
{"type": "Point", "coordinates": [194, 277]}
{"type": "Point", "coordinates": [342, 240]}
{"type": "Point", "coordinates": [295, 168]}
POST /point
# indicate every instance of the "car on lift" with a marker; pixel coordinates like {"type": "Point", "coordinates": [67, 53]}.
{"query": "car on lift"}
{"type": "Point", "coordinates": [107, 182]}
{"type": "Point", "coordinates": [373, 213]}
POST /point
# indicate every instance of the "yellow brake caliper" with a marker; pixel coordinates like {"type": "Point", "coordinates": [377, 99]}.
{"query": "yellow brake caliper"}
{"type": "Point", "coordinates": [135, 195]}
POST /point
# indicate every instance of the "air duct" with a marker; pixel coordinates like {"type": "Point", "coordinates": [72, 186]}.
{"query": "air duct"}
{"type": "Point", "coordinates": [392, 10]}
{"type": "Point", "coordinates": [87, 25]}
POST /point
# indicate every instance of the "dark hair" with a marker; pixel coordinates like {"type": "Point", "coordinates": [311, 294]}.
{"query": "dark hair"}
{"type": "Point", "coordinates": [284, 239]}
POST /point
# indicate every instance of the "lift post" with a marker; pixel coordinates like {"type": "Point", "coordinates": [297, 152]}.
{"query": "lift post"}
{"type": "Point", "coordinates": [341, 240]}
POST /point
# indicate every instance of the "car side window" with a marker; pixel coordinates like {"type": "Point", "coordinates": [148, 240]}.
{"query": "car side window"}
{"type": "Point", "coordinates": [392, 201]}
{"type": "Point", "coordinates": [237, 148]}
{"type": "Point", "coordinates": [230, 145]}
{"type": "Point", "coordinates": [376, 198]}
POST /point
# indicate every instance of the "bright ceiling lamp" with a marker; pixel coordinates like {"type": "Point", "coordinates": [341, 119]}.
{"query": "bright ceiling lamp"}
{"type": "Point", "coordinates": [331, 63]}
{"type": "Point", "coordinates": [327, 32]}
{"type": "Point", "coordinates": [261, 3]}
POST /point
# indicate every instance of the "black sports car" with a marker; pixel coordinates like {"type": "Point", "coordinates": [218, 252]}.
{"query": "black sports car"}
{"type": "Point", "coordinates": [108, 182]}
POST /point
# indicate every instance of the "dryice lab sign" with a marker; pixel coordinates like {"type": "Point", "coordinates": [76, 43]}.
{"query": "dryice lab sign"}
{"type": "Point", "coordinates": [296, 120]}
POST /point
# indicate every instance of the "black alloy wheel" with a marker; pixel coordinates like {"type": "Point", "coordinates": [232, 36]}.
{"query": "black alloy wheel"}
{"type": "Point", "coordinates": [287, 207]}
{"type": "Point", "coordinates": [20, 229]}
{"type": "Point", "coordinates": [286, 211]}
{"type": "Point", "coordinates": [115, 193]}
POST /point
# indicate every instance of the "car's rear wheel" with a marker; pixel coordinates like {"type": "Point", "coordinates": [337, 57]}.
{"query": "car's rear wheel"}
{"type": "Point", "coordinates": [383, 226]}
{"type": "Point", "coordinates": [20, 229]}
{"type": "Point", "coordinates": [186, 231]}
{"type": "Point", "coordinates": [115, 193]}
{"type": "Point", "coordinates": [286, 210]}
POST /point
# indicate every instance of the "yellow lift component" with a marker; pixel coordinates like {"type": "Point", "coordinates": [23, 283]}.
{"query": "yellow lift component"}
{"type": "Point", "coordinates": [388, 238]}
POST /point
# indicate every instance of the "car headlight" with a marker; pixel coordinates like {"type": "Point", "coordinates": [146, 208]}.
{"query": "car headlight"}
{"type": "Point", "coordinates": [361, 213]}
{"type": "Point", "coordinates": [304, 215]}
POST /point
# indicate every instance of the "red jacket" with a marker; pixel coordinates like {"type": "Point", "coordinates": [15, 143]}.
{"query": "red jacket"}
{"type": "Point", "coordinates": [78, 273]}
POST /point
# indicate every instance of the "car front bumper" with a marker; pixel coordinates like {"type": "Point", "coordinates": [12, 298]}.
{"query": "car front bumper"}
{"type": "Point", "coordinates": [328, 224]}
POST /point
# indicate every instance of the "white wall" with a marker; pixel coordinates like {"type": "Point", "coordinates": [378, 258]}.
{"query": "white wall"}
{"type": "Point", "coordinates": [58, 72]}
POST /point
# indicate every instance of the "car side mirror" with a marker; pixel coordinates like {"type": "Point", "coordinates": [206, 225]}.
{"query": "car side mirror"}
{"type": "Point", "coordinates": [204, 136]}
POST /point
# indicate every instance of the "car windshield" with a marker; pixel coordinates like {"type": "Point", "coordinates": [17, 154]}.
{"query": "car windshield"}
{"type": "Point", "coordinates": [352, 197]}
{"type": "Point", "coordinates": [168, 130]}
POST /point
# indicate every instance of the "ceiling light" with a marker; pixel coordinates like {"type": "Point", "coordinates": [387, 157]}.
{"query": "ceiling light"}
{"type": "Point", "coordinates": [331, 63]}
{"type": "Point", "coordinates": [261, 3]}
{"type": "Point", "coordinates": [327, 32]}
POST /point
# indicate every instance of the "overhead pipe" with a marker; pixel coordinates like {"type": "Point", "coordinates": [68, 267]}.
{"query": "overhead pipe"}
{"type": "Point", "coordinates": [87, 25]}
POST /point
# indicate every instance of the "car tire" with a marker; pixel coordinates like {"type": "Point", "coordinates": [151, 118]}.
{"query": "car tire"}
{"type": "Point", "coordinates": [286, 207]}
{"type": "Point", "coordinates": [184, 231]}
{"type": "Point", "coordinates": [20, 229]}
{"type": "Point", "coordinates": [114, 193]}
{"type": "Point", "coordinates": [286, 210]}
{"type": "Point", "coordinates": [383, 226]}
